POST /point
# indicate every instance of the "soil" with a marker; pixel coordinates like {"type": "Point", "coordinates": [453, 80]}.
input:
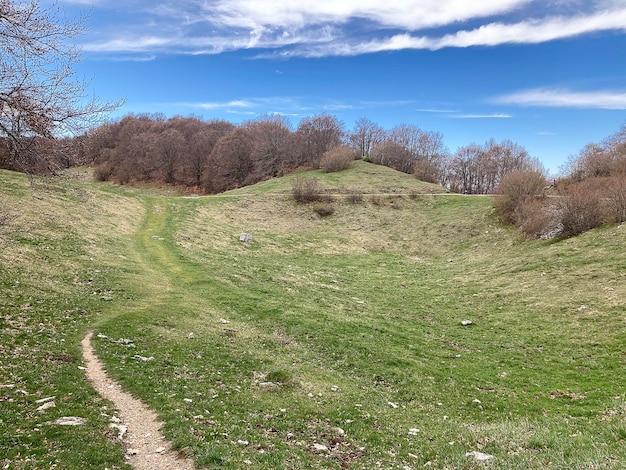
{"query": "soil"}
{"type": "Point", "coordinates": [146, 447]}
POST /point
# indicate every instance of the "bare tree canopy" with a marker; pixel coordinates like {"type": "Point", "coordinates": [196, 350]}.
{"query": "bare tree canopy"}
{"type": "Point", "coordinates": [40, 94]}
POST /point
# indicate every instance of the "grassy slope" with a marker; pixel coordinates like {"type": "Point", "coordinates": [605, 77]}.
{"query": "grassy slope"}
{"type": "Point", "coordinates": [369, 300]}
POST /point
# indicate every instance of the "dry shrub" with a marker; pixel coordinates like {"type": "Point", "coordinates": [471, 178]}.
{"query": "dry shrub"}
{"type": "Point", "coordinates": [354, 196]}
{"type": "Point", "coordinates": [306, 190]}
{"type": "Point", "coordinates": [581, 209]}
{"type": "Point", "coordinates": [325, 209]}
{"type": "Point", "coordinates": [615, 193]}
{"type": "Point", "coordinates": [516, 189]}
{"type": "Point", "coordinates": [426, 171]}
{"type": "Point", "coordinates": [377, 200]}
{"type": "Point", "coordinates": [337, 159]}
{"type": "Point", "coordinates": [538, 218]}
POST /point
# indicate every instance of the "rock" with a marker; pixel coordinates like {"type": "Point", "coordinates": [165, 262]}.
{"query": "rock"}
{"type": "Point", "coordinates": [268, 385]}
{"type": "Point", "coordinates": [121, 429]}
{"type": "Point", "coordinates": [191, 336]}
{"type": "Point", "coordinates": [70, 421]}
{"type": "Point", "coordinates": [479, 456]}
{"type": "Point", "coordinates": [392, 404]}
{"type": "Point", "coordinates": [335, 388]}
{"type": "Point", "coordinates": [320, 448]}
{"type": "Point", "coordinates": [477, 401]}
{"type": "Point", "coordinates": [413, 431]}
{"type": "Point", "coordinates": [43, 400]}
{"type": "Point", "coordinates": [242, 442]}
{"type": "Point", "coordinates": [466, 322]}
{"type": "Point", "coordinates": [47, 405]}
{"type": "Point", "coordinates": [245, 237]}
{"type": "Point", "coordinates": [224, 321]}
{"type": "Point", "coordinates": [142, 358]}
{"type": "Point", "coordinates": [339, 431]}
{"type": "Point", "coordinates": [160, 450]}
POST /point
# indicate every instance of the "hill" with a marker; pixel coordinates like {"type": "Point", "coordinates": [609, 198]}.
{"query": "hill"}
{"type": "Point", "coordinates": [326, 342]}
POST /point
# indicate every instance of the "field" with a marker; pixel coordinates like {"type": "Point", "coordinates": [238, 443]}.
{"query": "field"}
{"type": "Point", "coordinates": [326, 342]}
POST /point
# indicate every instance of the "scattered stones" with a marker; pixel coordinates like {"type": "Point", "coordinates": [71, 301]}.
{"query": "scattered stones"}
{"type": "Point", "coordinates": [466, 322]}
{"type": "Point", "coordinates": [479, 456]}
{"type": "Point", "coordinates": [245, 237]}
{"type": "Point", "coordinates": [143, 358]}
{"type": "Point", "coordinates": [70, 421]}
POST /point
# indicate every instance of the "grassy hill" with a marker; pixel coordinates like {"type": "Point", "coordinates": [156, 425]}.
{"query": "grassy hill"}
{"type": "Point", "coordinates": [341, 331]}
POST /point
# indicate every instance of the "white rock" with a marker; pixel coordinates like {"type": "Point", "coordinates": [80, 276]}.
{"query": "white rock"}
{"type": "Point", "coordinates": [224, 321]}
{"type": "Point", "coordinates": [392, 404]}
{"type": "Point", "coordinates": [466, 322]}
{"type": "Point", "coordinates": [70, 421]}
{"type": "Point", "coordinates": [477, 401]}
{"type": "Point", "coordinates": [188, 400]}
{"type": "Point", "coordinates": [191, 336]}
{"type": "Point", "coordinates": [43, 400]}
{"type": "Point", "coordinates": [242, 442]}
{"type": "Point", "coordinates": [142, 358]}
{"type": "Point", "coordinates": [320, 448]}
{"type": "Point", "coordinates": [479, 456]}
{"type": "Point", "coordinates": [339, 431]}
{"type": "Point", "coordinates": [121, 429]}
{"type": "Point", "coordinates": [160, 450]}
{"type": "Point", "coordinates": [413, 431]}
{"type": "Point", "coordinates": [335, 388]}
{"type": "Point", "coordinates": [46, 406]}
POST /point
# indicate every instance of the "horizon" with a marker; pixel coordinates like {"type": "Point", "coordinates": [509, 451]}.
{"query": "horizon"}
{"type": "Point", "coordinates": [549, 76]}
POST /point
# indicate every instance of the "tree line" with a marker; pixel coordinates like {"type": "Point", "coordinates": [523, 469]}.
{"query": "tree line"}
{"type": "Point", "coordinates": [217, 155]}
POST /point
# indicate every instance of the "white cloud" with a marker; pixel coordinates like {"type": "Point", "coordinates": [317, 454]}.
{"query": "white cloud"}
{"type": "Point", "coordinates": [562, 98]}
{"type": "Point", "coordinates": [290, 28]}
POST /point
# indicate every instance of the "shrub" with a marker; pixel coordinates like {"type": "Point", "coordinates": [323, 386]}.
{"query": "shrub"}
{"type": "Point", "coordinates": [377, 200]}
{"type": "Point", "coordinates": [538, 218]}
{"type": "Point", "coordinates": [616, 198]}
{"type": "Point", "coordinates": [325, 209]}
{"type": "Point", "coordinates": [354, 196]}
{"type": "Point", "coordinates": [516, 189]}
{"type": "Point", "coordinates": [337, 159]}
{"type": "Point", "coordinates": [581, 209]}
{"type": "Point", "coordinates": [306, 190]}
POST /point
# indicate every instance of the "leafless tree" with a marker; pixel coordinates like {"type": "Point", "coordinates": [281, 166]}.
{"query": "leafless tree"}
{"type": "Point", "coordinates": [365, 135]}
{"type": "Point", "coordinates": [315, 136]}
{"type": "Point", "coordinates": [40, 94]}
{"type": "Point", "coordinates": [271, 135]}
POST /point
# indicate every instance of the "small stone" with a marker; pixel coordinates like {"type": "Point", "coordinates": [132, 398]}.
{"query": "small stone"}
{"type": "Point", "coordinates": [245, 237]}
{"type": "Point", "coordinates": [466, 322]}
{"type": "Point", "coordinates": [339, 431]}
{"type": "Point", "coordinates": [268, 385]}
{"type": "Point", "coordinates": [320, 448]}
{"type": "Point", "coordinates": [477, 401]}
{"type": "Point", "coordinates": [242, 442]}
{"type": "Point", "coordinates": [335, 388]}
{"type": "Point", "coordinates": [413, 456]}
{"type": "Point", "coordinates": [121, 429]}
{"type": "Point", "coordinates": [46, 406]}
{"type": "Point", "coordinates": [392, 404]}
{"type": "Point", "coordinates": [413, 431]}
{"type": "Point", "coordinates": [70, 421]}
{"type": "Point", "coordinates": [479, 456]}
{"type": "Point", "coordinates": [160, 450]}
{"type": "Point", "coordinates": [191, 336]}
{"type": "Point", "coordinates": [142, 358]}
{"type": "Point", "coordinates": [224, 321]}
{"type": "Point", "coordinates": [247, 462]}
{"type": "Point", "coordinates": [43, 400]}
{"type": "Point", "coordinates": [188, 400]}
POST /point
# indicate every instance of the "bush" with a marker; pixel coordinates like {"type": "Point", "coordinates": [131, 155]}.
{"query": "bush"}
{"type": "Point", "coordinates": [354, 196]}
{"type": "Point", "coordinates": [337, 159]}
{"type": "Point", "coordinates": [515, 190]}
{"type": "Point", "coordinates": [581, 209]}
{"type": "Point", "coordinates": [325, 209]}
{"type": "Point", "coordinates": [306, 190]}
{"type": "Point", "coordinates": [616, 198]}
{"type": "Point", "coordinates": [538, 218]}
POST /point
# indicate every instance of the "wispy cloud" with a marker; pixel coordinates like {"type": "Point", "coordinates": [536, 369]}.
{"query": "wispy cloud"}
{"type": "Point", "coordinates": [562, 98]}
{"type": "Point", "coordinates": [482, 116]}
{"type": "Point", "coordinates": [287, 28]}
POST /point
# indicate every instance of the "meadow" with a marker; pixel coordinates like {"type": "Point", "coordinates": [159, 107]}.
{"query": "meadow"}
{"type": "Point", "coordinates": [326, 342]}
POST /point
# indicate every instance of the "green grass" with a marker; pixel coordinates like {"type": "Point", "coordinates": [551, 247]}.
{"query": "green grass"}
{"type": "Point", "coordinates": [354, 318]}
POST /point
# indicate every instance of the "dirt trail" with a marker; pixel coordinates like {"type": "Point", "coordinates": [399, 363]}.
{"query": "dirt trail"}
{"type": "Point", "coordinates": [146, 447]}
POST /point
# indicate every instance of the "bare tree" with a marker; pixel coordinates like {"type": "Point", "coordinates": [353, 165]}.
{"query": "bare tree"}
{"type": "Point", "coordinates": [40, 94]}
{"type": "Point", "coordinates": [365, 136]}
{"type": "Point", "coordinates": [315, 136]}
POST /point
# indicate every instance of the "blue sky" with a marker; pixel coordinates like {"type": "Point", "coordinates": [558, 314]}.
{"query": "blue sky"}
{"type": "Point", "coordinates": [549, 74]}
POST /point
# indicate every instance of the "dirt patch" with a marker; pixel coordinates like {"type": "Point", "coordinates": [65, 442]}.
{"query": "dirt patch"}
{"type": "Point", "coordinates": [146, 447]}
